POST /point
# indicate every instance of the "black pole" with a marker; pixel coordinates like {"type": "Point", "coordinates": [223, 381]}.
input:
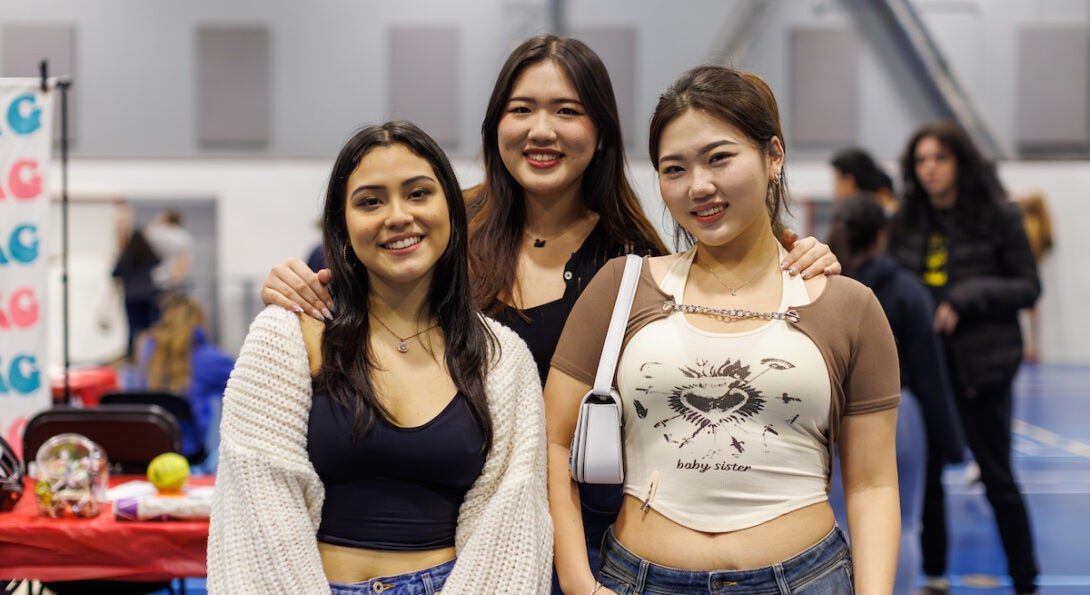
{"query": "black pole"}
{"type": "Point", "coordinates": [63, 84]}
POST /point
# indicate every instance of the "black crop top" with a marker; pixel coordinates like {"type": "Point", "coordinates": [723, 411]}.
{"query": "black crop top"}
{"type": "Point", "coordinates": [393, 488]}
{"type": "Point", "coordinates": [541, 325]}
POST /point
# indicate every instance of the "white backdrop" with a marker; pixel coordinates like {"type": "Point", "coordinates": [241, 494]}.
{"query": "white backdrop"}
{"type": "Point", "coordinates": [25, 141]}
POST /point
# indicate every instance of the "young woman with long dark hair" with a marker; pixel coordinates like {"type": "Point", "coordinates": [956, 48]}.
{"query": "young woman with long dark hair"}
{"type": "Point", "coordinates": [411, 462]}
{"type": "Point", "coordinates": [958, 231]}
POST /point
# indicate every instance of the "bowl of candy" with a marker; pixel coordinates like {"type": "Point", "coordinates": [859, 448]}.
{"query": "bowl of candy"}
{"type": "Point", "coordinates": [71, 475]}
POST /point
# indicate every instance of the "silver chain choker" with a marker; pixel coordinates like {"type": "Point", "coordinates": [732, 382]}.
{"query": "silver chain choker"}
{"type": "Point", "coordinates": [732, 313]}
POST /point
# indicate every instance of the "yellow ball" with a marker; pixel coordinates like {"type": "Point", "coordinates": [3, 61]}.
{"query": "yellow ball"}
{"type": "Point", "coordinates": [168, 471]}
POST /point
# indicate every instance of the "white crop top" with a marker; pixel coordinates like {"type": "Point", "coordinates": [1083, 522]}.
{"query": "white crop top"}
{"type": "Point", "coordinates": [724, 431]}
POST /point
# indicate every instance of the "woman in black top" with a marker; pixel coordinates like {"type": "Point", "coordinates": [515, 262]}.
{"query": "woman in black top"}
{"type": "Point", "coordinates": [959, 233]}
{"type": "Point", "coordinates": [133, 271]}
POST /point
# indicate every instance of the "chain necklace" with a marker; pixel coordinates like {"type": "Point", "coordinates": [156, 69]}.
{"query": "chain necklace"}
{"type": "Point", "coordinates": [403, 346]}
{"type": "Point", "coordinates": [731, 313]}
{"type": "Point", "coordinates": [540, 243]}
{"type": "Point", "coordinates": [734, 290]}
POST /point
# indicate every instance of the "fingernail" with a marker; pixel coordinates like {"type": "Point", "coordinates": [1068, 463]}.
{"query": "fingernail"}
{"type": "Point", "coordinates": [329, 305]}
{"type": "Point", "coordinates": [315, 313]}
{"type": "Point", "coordinates": [827, 270]}
{"type": "Point", "coordinates": [325, 312]}
{"type": "Point", "coordinates": [783, 266]}
{"type": "Point", "coordinates": [807, 275]}
{"type": "Point", "coordinates": [793, 270]}
{"type": "Point", "coordinates": [297, 310]}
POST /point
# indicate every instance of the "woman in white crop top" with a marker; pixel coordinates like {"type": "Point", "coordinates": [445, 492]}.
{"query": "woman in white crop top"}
{"type": "Point", "coordinates": [736, 379]}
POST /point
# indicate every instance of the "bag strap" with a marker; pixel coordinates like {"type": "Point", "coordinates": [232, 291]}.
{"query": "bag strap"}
{"type": "Point", "coordinates": [607, 365]}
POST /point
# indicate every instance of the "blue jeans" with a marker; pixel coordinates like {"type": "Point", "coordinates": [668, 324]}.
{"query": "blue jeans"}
{"type": "Point", "coordinates": [428, 581]}
{"type": "Point", "coordinates": [824, 568]}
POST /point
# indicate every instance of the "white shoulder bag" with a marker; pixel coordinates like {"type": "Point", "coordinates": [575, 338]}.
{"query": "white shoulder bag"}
{"type": "Point", "coordinates": [596, 452]}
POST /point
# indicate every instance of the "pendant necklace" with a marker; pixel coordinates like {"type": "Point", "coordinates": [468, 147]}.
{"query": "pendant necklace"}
{"type": "Point", "coordinates": [540, 243]}
{"type": "Point", "coordinates": [734, 290]}
{"type": "Point", "coordinates": [403, 346]}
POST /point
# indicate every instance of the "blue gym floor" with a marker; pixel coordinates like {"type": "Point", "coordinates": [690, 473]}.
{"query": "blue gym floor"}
{"type": "Point", "coordinates": [1052, 461]}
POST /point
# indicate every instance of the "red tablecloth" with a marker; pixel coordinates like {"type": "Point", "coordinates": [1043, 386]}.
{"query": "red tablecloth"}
{"type": "Point", "coordinates": [38, 547]}
{"type": "Point", "coordinates": [87, 385]}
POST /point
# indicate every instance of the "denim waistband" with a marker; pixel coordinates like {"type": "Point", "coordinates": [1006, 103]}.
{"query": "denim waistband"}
{"type": "Point", "coordinates": [796, 570]}
{"type": "Point", "coordinates": [424, 581]}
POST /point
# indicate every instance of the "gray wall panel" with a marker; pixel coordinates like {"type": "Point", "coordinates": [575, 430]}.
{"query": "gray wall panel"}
{"type": "Point", "coordinates": [1053, 71]}
{"type": "Point", "coordinates": [24, 46]}
{"type": "Point", "coordinates": [824, 87]}
{"type": "Point", "coordinates": [425, 76]}
{"type": "Point", "coordinates": [617, 47]}
{"type": "Point", "coordinates": [233, 72]}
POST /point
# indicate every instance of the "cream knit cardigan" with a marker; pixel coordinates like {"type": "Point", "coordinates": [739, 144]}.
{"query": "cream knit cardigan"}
{"type": "Point", "coordinates": [268, 498]}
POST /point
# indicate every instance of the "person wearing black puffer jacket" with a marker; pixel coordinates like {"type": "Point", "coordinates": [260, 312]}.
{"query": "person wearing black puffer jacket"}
{"type": "Point", "coordinates": [958, 231]}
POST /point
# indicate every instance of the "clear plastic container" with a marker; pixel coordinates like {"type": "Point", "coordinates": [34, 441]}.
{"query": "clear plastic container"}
{"type": "Point", "coordinates": [71, 475]}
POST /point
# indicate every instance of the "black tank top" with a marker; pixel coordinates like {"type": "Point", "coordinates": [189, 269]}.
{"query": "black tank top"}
{"type": "Point", "coordinates": [540, 327]}
{"type": "Point", "coordinates": [393, 488]}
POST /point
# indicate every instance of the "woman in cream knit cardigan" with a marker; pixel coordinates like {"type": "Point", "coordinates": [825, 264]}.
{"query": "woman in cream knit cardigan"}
{"type": "Point", "coordinates": [345, 465]}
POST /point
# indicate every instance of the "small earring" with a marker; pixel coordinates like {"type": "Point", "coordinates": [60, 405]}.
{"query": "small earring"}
{"type": "Point", "coordinates": [601, 142]}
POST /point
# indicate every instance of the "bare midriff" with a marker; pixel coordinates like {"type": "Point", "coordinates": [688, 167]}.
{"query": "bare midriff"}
{"type": "Point", "coordinates": [352, 564]}
{"type": "Point", "coordinates": [657, 539]}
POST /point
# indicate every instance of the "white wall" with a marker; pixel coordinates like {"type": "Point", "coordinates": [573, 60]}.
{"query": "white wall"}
{"type": "Point", "coordinates": [135, 61]}
{"type": "Point", "coordinates": [267, 209]}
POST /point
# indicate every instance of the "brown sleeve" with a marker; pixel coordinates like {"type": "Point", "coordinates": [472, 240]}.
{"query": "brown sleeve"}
{"type": "Point", "coordinates": [580, 345]}
{"type": "Point", "coordinates": [873, 381]}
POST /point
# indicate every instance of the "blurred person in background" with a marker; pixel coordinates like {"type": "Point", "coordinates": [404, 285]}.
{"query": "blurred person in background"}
{"type": "Point", "coordinates": [174, 244]}
{"type": "Point", "coordinates": [1038, 226]}
{"type": "Point", "coordinates": [855, 172]}
{"type": "Point", "coordinates": [133, 270]}
{"type": "Point", "coordinates": [927, 421]}
{"type": "Point", "coordinates": [177, 356]}
{"type": "Point", "coordinates": [960, 234]}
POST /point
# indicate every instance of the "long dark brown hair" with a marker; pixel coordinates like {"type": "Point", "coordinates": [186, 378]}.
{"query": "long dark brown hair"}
{"type": "Point", "coordinates": [498, 208]}
{"type": "Point", "coordinates": [979, 192]}
{"type": "Point", "coordinates": [741, 99]}
{"type": "Point", "coordinates": [346, 357]}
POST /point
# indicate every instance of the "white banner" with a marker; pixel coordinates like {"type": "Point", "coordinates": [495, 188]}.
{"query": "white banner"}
{"type": "Point", "coordinates": [26, 116]}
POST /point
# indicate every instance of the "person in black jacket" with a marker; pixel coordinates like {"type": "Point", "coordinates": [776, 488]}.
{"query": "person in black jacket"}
{"type": "Point", "coordinates": [133, 270]}
{"type": "Point", "coordinates": [958, 231]}
{"type": "Point", "coordinates": [858, 239]}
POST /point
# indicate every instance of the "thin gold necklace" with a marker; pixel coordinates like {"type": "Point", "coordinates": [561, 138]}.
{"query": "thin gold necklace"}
{"type": "Point", "coordinates": [734, 289]}
{"type": "Point", "coordinates": [403, 346]}
{"type": "Point", "coordinates": [540, 243]}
